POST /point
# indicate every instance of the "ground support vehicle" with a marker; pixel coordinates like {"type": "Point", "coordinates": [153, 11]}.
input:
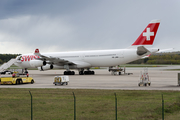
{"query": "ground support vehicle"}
{"type": "Point", "coordinates": [144, 78]}
{"type": "Point", "coordinates": [16, 79]}
{"type": "Point", "coordinates": [61, 80]}
{"type": "Point", "coordinates": [6, 72]}
{"type": "Point", "coordinates": [118, 71]}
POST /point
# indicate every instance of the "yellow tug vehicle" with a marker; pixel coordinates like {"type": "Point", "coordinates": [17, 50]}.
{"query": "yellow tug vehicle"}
{"type": "Point", "coordinates": [16, 79]}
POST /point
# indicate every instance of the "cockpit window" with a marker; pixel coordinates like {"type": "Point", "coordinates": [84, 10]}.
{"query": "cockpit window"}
{"type": "Point", "coordinates": [19, 57]}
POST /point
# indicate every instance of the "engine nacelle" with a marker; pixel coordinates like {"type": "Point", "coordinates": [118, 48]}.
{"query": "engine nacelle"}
{"type": "Point", "coordinates": [37, 63]}
{"type": "Point", "coordinates": [46, 67]}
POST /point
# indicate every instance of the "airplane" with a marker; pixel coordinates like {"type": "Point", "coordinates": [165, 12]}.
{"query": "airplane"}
{"type": "Point", "coordinates": [82, 60]}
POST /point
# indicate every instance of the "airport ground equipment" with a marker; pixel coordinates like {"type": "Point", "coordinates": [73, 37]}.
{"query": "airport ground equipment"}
{"type": "Point", "coordinates": [61, 80]}
{"type": "Point", "coordinates": [118, 71]}
{"type": "Point", "coordinates": [179, 79]}
{"type": "Point", "coordinates": [144, 78]}
{"type": "Point", "coordinates": [16, 78]}
{"type": "Point", "coordinates": [11, 71]}
{"type": "Point", "coordinates": [6, 72]}
{"type": "Point", "coordinates": [7, 65]}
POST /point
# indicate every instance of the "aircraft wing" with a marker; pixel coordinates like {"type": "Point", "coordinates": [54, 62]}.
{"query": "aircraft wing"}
{"type": "Point", "coordinates": [52, 60]}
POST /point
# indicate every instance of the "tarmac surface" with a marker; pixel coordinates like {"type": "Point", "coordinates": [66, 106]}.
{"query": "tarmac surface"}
{"type": "Point", "coordinates": [160, 80]}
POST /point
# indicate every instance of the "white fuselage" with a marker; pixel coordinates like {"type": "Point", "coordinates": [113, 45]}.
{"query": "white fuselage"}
{"type": "Point", "coordinates": [87, 59]}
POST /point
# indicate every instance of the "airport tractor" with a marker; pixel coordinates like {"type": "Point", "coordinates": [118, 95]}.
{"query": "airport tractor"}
{"type": "Point", "coordinates": [16, 78]}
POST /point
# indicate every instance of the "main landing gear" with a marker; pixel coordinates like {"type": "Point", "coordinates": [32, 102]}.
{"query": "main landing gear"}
{"type": "Point", "coordinates": [81, 71]}
{"type": "Point", "coordinates": [69, 73]}
{"type": "Point", "coordinates": [88, 72]}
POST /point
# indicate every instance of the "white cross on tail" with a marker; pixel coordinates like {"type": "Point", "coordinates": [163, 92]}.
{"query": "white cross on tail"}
{"type": "Point", "coordinates": [148, 34]}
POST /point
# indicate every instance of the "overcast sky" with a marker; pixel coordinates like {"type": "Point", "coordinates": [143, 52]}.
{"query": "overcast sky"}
{"type": "Point", "coordinates": [73, 25]}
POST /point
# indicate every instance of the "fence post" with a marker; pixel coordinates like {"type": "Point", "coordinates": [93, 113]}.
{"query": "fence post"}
{"type": "Point", "coordinates": [31, 107]}
{"type": "Point", "coordinates": [74, 106]}
{"type": "Point", "coordinates": [115, 106]}
{"type": "Point", "coordinates": [162, 108]}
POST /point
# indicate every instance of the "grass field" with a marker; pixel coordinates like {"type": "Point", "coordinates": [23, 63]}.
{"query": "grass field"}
{"type": "Point", "coordinates": [58, 104]}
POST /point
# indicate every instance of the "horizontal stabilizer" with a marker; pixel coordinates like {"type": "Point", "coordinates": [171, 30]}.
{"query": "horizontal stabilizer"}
{"type": "Point", "coordinates": [141, 50]}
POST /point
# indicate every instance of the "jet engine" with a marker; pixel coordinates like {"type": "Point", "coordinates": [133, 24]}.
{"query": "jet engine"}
{"type": "Point", "coordinates": [46, 67]}
{"type": "Point", "coordinates": [37, 63]}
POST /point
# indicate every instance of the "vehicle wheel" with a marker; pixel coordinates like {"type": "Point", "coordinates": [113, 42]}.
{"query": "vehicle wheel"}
{"type": "Point", "coordinates": [17, 82]}
{"type": "Point", "coordinates": [66, 83]}
{"type": "Point", "coordinates": [55, 84]}
{"type": "Point", "coordinates": [139, 85]}
{"type": "Point", "coordinates": [145, 84]}
{"type": "Point", "coordinates": [32, 81]}
{"type": "Point", "coordinates": [21, 82]}
{"type": "Point", "coordinates": [149, 84]}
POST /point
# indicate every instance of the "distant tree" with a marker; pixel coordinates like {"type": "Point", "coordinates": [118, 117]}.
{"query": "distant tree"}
{"type": "Point", "coordinates": [160, 58]}
{"type": "Point", "coordinates": [6, 57]}
{"type": "Point", "coordinates": [1, 62]}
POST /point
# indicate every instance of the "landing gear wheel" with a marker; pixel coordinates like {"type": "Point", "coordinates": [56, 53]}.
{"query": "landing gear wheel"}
{"type": "Point", "coordinates": [65, 72]}
{"type": "Point", "coordinates": [89, 72]}
{"type": "Point", "coordinates": [81, 73]}
{"type": "Point", "coordinates": [72, 73]}
{"type": "Point", "coordinates": [69, 73]}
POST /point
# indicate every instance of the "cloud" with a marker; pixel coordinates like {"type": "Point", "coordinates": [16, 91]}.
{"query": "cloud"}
{"type": "Point", "coordinates": [54, 26]}
{"type": "Point", "coordinates": [35, 31]}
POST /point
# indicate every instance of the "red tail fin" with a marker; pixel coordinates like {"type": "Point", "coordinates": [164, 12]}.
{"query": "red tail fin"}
{"type": "Point", "coordinates": [148, 35]}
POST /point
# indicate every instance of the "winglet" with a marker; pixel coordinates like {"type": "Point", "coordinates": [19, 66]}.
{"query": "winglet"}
{"type": "Point", "coordinates": [36, 51]}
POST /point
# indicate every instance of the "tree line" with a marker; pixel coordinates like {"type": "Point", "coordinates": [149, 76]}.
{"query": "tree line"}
{"type": "Point", "coordinates": [6, 57]}
{"type": "Point", "coordinates": [158, 58]}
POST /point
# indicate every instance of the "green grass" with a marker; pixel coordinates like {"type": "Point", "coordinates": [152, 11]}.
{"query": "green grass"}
{"type": "Point", "coordinates": [57, 104]}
